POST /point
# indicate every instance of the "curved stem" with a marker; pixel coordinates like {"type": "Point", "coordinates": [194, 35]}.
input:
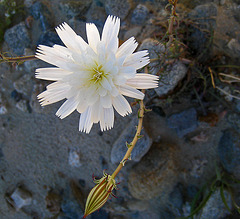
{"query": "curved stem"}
{"type": "Point", "coordinates": [134, 141]}
{"type": "Point", "coordinates": [17, 59]}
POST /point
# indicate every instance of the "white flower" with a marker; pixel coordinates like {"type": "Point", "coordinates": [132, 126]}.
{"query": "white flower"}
{"type": "Point", "coordinates": [94, 77]}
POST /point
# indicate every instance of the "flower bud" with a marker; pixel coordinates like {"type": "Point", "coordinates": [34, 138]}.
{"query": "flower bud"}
{"type": "Point", "coordinates": [98, 196]}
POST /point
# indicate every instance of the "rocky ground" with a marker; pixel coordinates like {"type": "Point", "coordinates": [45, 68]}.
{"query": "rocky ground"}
{"type": "Point", "coordinates": [190, 153]}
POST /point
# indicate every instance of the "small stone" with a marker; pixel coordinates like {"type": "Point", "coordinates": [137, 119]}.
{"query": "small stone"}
{"type": "Point", "coordinates": [74, 158]}
{"type": "Point", "coordinates": [20, 198]}
{"type": "Point", "coordinates": [40, 12]}
{"type": "Point", "coordinates": [120, 148]}
{"type": "Point", "coordinates": [18, 38]}
{"type": "Point", "coordinates": [183, 122]}
{"type": "Point", "coordinates": [3, 107]}
{"type": "Point", "coordinates": [155, 175]}
{"type": "Point", "coordinates": [215, 207]}
{"type": "Point", "coordinates": [118, 8]}
{"type": "Point", "coordinates": [24, 85]}
{"type": "Point", "coordinates": [229, 152]}
{"type": "Point", "coordinates": [135, 31]}
{"type": "Point", "coordinates": [22, 105]}
{"type": "Point", "coordinates": [71, 9]}
{"type": "Point", "coordinates": [140, 14]}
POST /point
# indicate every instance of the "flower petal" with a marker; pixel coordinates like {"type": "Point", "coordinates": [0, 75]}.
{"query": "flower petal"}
{"type": "Point", "coordinates": [67, 108]}
{"type": "Point", "coordinates": [137, 59]}
{"type": "Point", "coordinates": [127, 48]}
{"type": "Point", "coordinates": [92, 35]}
{"type": "Point", "coordinates": [131, 92]}
{"type": "Point", "coordinates": [121, 105]}
{"type": "Point", "coordinates": [51, 74]}
{"type": "Point", "coordinates": [143, 81]}
{"type": "Point", "coordinates": [106, 118]}
{"type": "Point", "coordinates": [85, 123]}
{"type": "Point", "coordinates": [106, 101]}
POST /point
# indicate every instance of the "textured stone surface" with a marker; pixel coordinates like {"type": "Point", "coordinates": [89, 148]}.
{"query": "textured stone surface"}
{"type": "Point", "coordinates": [229, 152]}
{"type": "Point", "coordinates": [118, 7]}
{"type": "Point", "coordinates": [119, 147]}
{"type": "Point", "coordinates": [24, 84]}
{"type": "Point", "coordinates": [215, 207]}
{"type": "Point", "coordinates": [139, 14]}
{"type": "Point", "coordinates": [184, 122]}
{"type": "Point", "coordinates": [155, 175]}
{"type": "Point", "coordinates": [18, 38]}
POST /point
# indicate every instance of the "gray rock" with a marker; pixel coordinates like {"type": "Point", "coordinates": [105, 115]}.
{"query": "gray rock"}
{"type": "Point", "coordinates": [215, 207]}
{"type": "Point", "coordinates": [22, 105]}
{"type": "Point", "coordinates": [20, 198]}
{"type": "Point", "coordinates": [24, 85]}
{"type": "Point", "coordinates": [229, 152]}
{"type": "Point", "coordinates": [139, 14]}
{"type": "Point", "coordinates": [74, 158]}
{"type": "Point", "coordinates": [183, 122]}
{"type": "Point", "coordinates": [118, 8]}
{"type": "Point", "coordinates": [71, 9]}
{"type": "Point", "coordinates": [175, 201]}
{"type": "Point", "coordinates": [155, 175]}
{"type": "Point", "coordinates": [135, 31]}
{"type": "Point", "coordinates": [3, 106]}
{"type": "Point", "coordinates": [17, 38]}
{"type": "Point", "coordinates": [119, 147]}
{"type": "Point", "coordinates": [173, 73]}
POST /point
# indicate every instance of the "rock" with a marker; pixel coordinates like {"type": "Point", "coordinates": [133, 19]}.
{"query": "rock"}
{"type": "Point", "coordinates": [19, 198]}
{"type": "Point", "coordinates": [17, 38]}
{"type": "Point", "coordinates": [135, 31]}
{"type": "Point", "coordinates": [16, 96]}
{"type": "Point", "coordinates": [204, 16]}
{"type": "Point", "coordinates": [229, 152]}
{"type": "Point", "coordinates": [172, 74]}
{"type": "Point", "coordinates": [70, 9]}
{"type": "Point", "coordinates": [183, 122]}
{"type": "Point", "coordinates": [155, 175]}
{"type": "Point", "coordinates": [118, 8]}
{"type": "Point", "coordinates": [49, 38]}
{"type": "Point", "coordinates": [100, 214]}
{"type": "Point", "coordinates": [139, 14]}
{"type": "Point", "coordinates": [119, 147]}
{"type": "Point", "coordinates": [234, 45]}
{"type": "Point", "coordinates": [215, 207]}
{"type": "Point", "coordinates": [74, 158]}
{"type": "Point", "coordinates": [24, 85]}
{"type": "Point", "coordinates": [175, 201]}
{"type": "Point", "coordinates": [53, 202]}
{"type": "Point", "coordinates": [3, 107]}
{"type": "Point", "coordinates": [23, 105]}
{"type": "Point", "coordinates": [41, 12]}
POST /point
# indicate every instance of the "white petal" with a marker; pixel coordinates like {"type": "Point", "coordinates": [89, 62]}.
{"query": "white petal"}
{"type": "Point", "coordinates": [143, 81]}
{"type": "Point", "coordinates": [101, 51]}
{"type": "Point", "coordinates": [110, 29]}
{"type": "Point", "coordinates": [95, 112]}
{"type": "Point", "coordinates": [106, 101]}
{"type": "Point", "coordinates": [51, 74]}
{"type": "Point", "coordinates": [137, 59]}
{"type": "Point", "coordinates": [131, 92]}
{"type": "Point", "coordinates": [121, 105]}
{"type": "Point", "coordinates": [127, 71]}
{"type": "Point", "coordinates": [127, 48]}
{"type": "Point", "coordinates": [105, 83]}
{"type": "Point", "coordinates": [67, 108]}
{"type": "Point", "coordinates": [47, 97]}
{"type": "Point", "coordinates": [106, 118]}
{"type": "Point", "coordinates": [92, 35]}
{"type": "Point", "coordinates": [85, 123]}
{"type": "Point", "coordinates": [67, 35]}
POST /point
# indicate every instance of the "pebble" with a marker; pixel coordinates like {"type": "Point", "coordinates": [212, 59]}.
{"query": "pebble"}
{"type": "Point", "coordinates": [3, 107]}
{"type": "Point", "coordinates": [40, 12]}
{"type": "Point", "coordinates": [155, 175]}
{"type": "Point", "coordinates": [119, 147]}
{"type": "Point", "coordinates": [139, 14]}
{"type": "Point", "coordinates": [74, 158]}
{"type": "Point", "coordinates": [229, 152]}
{"type": "Point", "coordinates": [24, 85]}
{"type": "Point", "coordinates": [118, 8]}
{"type": "Point", "coordinates": [17, 38]}
{"type": "Point", "coordinates": [215, 207]}
{"type": "Point", "coordinates": [22, 105]}
{"type": "Point", "coordinates": [20, 198]}
{"type": "Point", "coordinates": [184, 122]}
